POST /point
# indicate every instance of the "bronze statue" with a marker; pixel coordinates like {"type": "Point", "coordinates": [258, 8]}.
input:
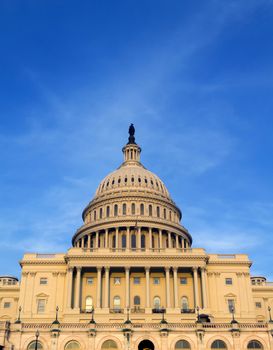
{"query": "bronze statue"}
{"type": "Point", "coordinates": [131, 138]}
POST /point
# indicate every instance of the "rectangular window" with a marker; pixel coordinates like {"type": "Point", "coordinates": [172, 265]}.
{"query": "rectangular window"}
{"type": "Point", "coordinates": [183, 280]}
{"type": "Point", "coordinates": [228, 281]}
{"type": "Point", "coordinates": [7, 305]}
{"type": "Point", "coordinates": [156, 280]}
{"type": "Point", "coordinates": [117, 280]}
{"type": "Point", "coordinates": [43, 280]}
{"type": "Point", "coordinates": [89, 280]}
{"type": "Point", "coordinates": [258, 305]}
{"type": "Point", "coordinates": [41, 306]}
{"type": "Point", "coordinates": [231, 305]}
{"type": "Point", "coordinates": [136, 280]}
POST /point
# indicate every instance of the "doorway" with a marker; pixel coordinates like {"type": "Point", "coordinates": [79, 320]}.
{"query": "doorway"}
{"type": "Point", "coordinates": [146, 345]}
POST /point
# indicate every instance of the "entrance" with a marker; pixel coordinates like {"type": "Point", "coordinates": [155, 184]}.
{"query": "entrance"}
{"type": "Point", "coordinates": [146, 345]}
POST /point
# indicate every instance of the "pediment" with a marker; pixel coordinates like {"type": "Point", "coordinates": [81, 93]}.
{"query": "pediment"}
{"type": "Point", "coordinates": [41, 295]}
{"type": "Point", "coordinates": [230, 295]}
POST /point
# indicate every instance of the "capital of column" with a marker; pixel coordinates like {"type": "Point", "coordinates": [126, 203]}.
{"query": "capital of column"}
{"type": "Point", "coordinates": [147, 268]}
{"type": "Point", "coordinates": [99, 268]}
{"type": "Point", "coordinates": [175, 269]}
{"type": "Point", "coordinates": [167, 269]}
{"type": "Point", "coordinates": [195, 268]}
{"type": "Point", "coordinates": [78, 268]}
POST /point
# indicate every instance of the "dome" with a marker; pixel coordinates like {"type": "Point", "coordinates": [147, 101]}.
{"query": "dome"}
{"type": "Point", "coordinates": [130, 197]}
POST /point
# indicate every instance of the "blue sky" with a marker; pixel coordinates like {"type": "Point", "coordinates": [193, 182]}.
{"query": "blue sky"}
{"type": "Point", "coordinates": [196, 79]}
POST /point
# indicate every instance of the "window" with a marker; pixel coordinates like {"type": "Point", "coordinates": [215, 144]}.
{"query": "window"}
{"type": "Point", "coordinates": [32, 346]}
{"type": "Point", "coordinates": [116, 302]}
{"type": "Point", "coordinates": [218, 344]}
{"type": "Point", "coordinates": [254, 344]}
{"type": "Point", "coordinates": [114, 241]}
{"type": "Point", "coordinates": [137, 300]}
{"type": "Point", "coordinates": [123, 241]}
{"type": "Point", "coordinates": [150, 210]}
{"type": "Point", "coordinates": [43, 280]}
{"type": "Point", "coordinates": [7, 305]}
{"type": "Point", "coordinates": [100, 213]}
{"type": "Point", "coordinates": [183, 280]}
{"type": "Point", "coordinates": [184, 303]}
{"type": "Point", "coordinates": [133, 208]}
{"type": "Point", "coordinates": [124, 209]}
{"type": "Point", "coordinates": [228, 281]}
{"type": "Point", "coordinates": [89, 280]}
{"type": "Point", "coordinates": [88, 304]}
{"type": "Point", "coordinates": [136, 280]}
{"type": "Point", "coordinates": [158, 212]}
{"type": "Point", "coordinates": [182, 344]}
{"type": "Point", "coordinates": [231, 305]}
{"type": "Point", "coordinates": [142, 241]}
{"type": "Point", "coordinates": [258, 305]}
{"type": "Point", "coordinates": [41, 306]}
{"type": "Point", "coordinates": [156, 280]}
{"type": "Point", "coordinates": [164, 213]}
{"type": "Point", "coordinates": [115, 210]}
{"type": "Point", "coordinates": [109, 345]}
{"type": "Point", "coordinates": [117, 281]}
{"type": "Point", "coordinates": [95, 215]}
{"type": "Point", "coordinates": [72, 345]}
{"type": "Point", "coordinates": [133, 241]}
{"type": "Point", "coordinates": [141, 209]}
{"type": "Point", "coordinates": [107, 211]}
{"type": "Point", "coordinates": [157, 302]}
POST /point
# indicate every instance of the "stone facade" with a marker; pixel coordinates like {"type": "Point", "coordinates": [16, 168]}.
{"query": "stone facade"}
{"type": "Point", "coordinates": [133, 281]}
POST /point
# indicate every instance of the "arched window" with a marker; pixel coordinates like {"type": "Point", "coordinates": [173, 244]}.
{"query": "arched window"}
{"type": "Point", "coordinates": [153, 242]}
{"type": "Point", "coordinates": [150, 210]}
{"type": "Point", "coordinates": [158, 212]}
{"type": "Point", "coordinates": [133, 208]}
{"type": "Point", "coordinates": [109, 345]}
{"type": "Point", "coordinates": [116, 302]}
{"type": "Point", "coordinates": [88, 303]}
{"type": "Point", "coordinates": [32, 346]}
{"type": "Point", "coordinates": [164, 213]}
{"type": "Point", "coordinates": [254, 344]}
{"type": "Point", "coordinates": [72, 345]}
{"type": "Point", "coordinates": [133, 241]}
{"type": "Point", "coordinates": [137, 300]}
{"type": "Point", "coordinates": [123, 241]}
{"type": "Point", "coordinates": [95, 215]}
{"type": "Point", "coordinates": [218, 344]}
{"type": "Point", "coordinates": [182, 344]}
{"type": "Point", "coordinates": [100, 213]}
{"type": "Point", "coordinates": [141, 209]}
{"type": "Point", "coordinates": [124, 209]}
{"type": "Point", "coordinates": [107, 211]}
{"type": "Point", "coordinates": [157, 302]}
{"type": "Point", "coordinates": [143, 238]}
{"type": "Point", "coordinates": [184, 303]}
{"type": "Point", "coordinates": [170, 215]}
{"type": "Point", "coordinates": [115, 210]}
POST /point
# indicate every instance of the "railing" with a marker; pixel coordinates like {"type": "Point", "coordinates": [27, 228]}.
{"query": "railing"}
{"type": "Point", "coordinates": [137, 310]}
{"type": "Point", "coordinates": [45, 256]}
{"type": "Point", "coordinates": [117, 311]}
{"type": "Point", "coordinates": [137, 250]}
{"type": "Point", "coordinates": [226, 256]}
{"type": "Point", "coordinates": [187, 311]}
{"type": "Point", "coordinates": [158, 311]}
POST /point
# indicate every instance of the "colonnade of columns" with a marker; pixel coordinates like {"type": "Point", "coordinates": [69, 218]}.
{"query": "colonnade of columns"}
{"type": "Point", "coordinates": [200, 294]}
{"type": "Point", "coordinates": [121, 238]}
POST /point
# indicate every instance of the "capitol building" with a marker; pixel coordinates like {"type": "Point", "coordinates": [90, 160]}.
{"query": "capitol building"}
{"type": "Point", "coordinates": [133, 280]}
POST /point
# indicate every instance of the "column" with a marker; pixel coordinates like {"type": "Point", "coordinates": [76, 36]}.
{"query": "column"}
{"type": "Point", "coordinates": [78, 287]}
{"type": "Point", "coordinates": [168, 299]}
{"type": "Point", "coordinates": [99, 287]}
{"type": "Point", "coordinates": [116, 238]}
{"type": "Point", "coordinates": [176, 241]}
{"type": "Point", "coordinates": [97, 240]}
{"type": "Point", "coordinates": [150, 238]}
{"type": "Point", "coordinates": [107, 289]}
{"type": "Point", "coordinates": [106, 238]}
{"type": "Point", "coordinates": [147, 273]}
{"type": "Point", "coordinates": [82, 242]}
{"type": "Point", "coordinates": [89, 241]}
{"type": "Point", "coordinates": [128, 238]}
{"type": "Point", "coordinates": [204, 287]}
{"type": "Point", "coordinates": [160, 239]}
{"type": "Point", "coordinates": [69, 286]}
{"type": "Point", "coordinates": [169, 239]}
{"type": "Point", "coordinates": [127, 279]}
{"type": "Point", "coordinates": [139, 238]}
{"type": "Point", "coordinates": [175, 287]}
{"type": "Point", "coordinates": [195, 286]}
